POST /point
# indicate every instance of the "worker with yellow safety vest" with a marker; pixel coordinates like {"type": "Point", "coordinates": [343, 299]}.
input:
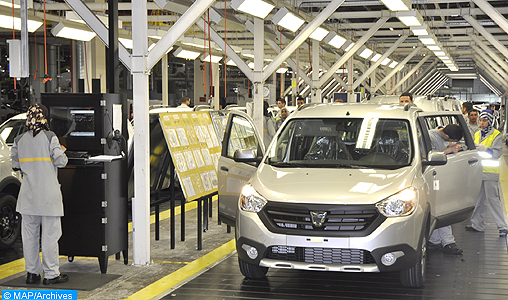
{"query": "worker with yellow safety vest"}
{"type": "Point", "coordinates": [488, 141]}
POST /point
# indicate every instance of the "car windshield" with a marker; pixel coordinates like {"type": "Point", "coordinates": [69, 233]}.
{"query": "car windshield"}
{"type": "Point", "coordinates": [367, 142]}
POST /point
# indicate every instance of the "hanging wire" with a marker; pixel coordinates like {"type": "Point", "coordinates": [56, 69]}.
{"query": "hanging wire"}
{"type": "Point", "coordinates": [46, 76]}
{"type": "Point", "coordinates": [204, 55]}
{"type": "Point", "coordinates": [210, 55]}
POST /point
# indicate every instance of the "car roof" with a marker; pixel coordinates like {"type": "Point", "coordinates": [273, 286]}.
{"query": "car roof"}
{"type": "Point", "coordinates": [352, 110]}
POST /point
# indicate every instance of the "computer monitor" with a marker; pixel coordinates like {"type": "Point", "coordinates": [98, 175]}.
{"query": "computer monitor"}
{"type": "Point", "coordinates": [77, 120]}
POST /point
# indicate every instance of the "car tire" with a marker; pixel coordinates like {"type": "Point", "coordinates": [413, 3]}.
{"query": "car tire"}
{"type": "Point", "coordinates": [252, 271]}
{"type": "Point", "coordinates": [10, 221]}
{"type": "Point", "coordinates": [415, 276]}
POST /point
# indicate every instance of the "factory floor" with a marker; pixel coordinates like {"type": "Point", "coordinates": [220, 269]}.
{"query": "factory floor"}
{"type": "Point", "coordinates": [213, 272]}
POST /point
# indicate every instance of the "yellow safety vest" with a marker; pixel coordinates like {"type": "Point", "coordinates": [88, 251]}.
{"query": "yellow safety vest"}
{"type": "Point", "coordinates": [489, 165]}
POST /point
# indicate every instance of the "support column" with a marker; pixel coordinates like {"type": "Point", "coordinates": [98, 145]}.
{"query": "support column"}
{"type": "Point", "coordinates": [98, 59]}
{"type": "Point", "coordinates": [273, 89]}
{"type": "Point", "coordinates": [259, 53]}
{"type": "Point", "coordinates": [165, 81]}
{"type": "Point", "coordinates": [141, 200]}
{"type": "Point", "coordinates": [316, 87]}
{"type": "Point", "coordinates": [52, 70]}
{"type": "Point", "coordinates": [199, 91]}
{"type": "Point", "coordinates": [216, 86]}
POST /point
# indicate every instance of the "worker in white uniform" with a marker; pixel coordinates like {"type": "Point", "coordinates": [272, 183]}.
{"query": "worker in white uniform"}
{"type": "Point", "coordinates": [440, 141]}
{"type": "Point", "coordinates": [268, 125]}
{"type": "Point", "coordinates": [489, 141]}
{"type": "Point", "coordinates": [38, 154]}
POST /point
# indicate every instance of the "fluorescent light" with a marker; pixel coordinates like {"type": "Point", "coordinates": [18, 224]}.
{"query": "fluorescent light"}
{"type": "Point", "coordinates": [348, 45]}
{"type": "Point", "coordinates": [434, 47]}
{"type": "Point", "coordinates": [393, 64]}
{"type": "Point", "coordinates": [230, 62]}
{"type": "Point", "coordinates": [74, 17]}
{"type": "Point", "coordinates": [214, 58]}
{"type": "Point", "coordinates": [182, 53]}
{"type": "Point", "coordinates": [428, 39]}
{"type": "Point", "coordinates": [287, 19]}
{"type": "Point", "coordinates": [247, 53]}
{"type": "Point", "coordinates": [334, 40]}
{"type": "Point", "coordinates": [319, 34]}
{"type": "Point", "coordinates": [251, 65]}
{"type": "Point", "coordinates": [397, 5]}
{"type": "Point", "coordinates": [197, 42]}
{"type": "Point", "coordinates": [410, 18]}
{"type": "Point", "coordinates": [386, 61]}
{"type": "Point", "coordinates": [420, 30]}
{"type": "Point", "coordinates": [365, 52]}
{"type": "Point", "coordinates": [6, 22]}
{"type": "Point", "coordinates": [75, 32]}
{"type": "Point", "coordinates": [282, 70]}
{"type": "Point", "coordinates": [256, 8]}
{"type": "Point", "coordinates": [127, 43]}
{"type": "Point", "coordinates": [376, 57]}
{"type": "Point", "coordinates": [439, 53]}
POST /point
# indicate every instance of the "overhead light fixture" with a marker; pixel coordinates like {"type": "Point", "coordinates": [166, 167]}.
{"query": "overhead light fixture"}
{"type": "Point", "coordinates": [251, 65]}
{"type": "Point", "coordinates": [334, 40]}
{"type": "Point", "coordinates": [6, 22]}
{"type": "Point", "coordinates": [127, 43]}
{"type": "Point", "coordinates": [230, 62]}
{"type": "Point", "coordinates": [197, 42]}
{"type": "Point", "coordinates": [287, 19]}
{"type": "Point", "coordinates": [282, 70]}
{"type": "Point", "coordinates": [386, 61]}
{"type": "Point", "coordinates": [376, 57]}
{"type": "Point", "coordinates": [8, 3]}
{"type": "Point", "coordinates": [187, 54]}
{"type": "Point", "coordinates": [236, 49]}
{"type": "Point", "coordinates": [439, 53]}
{"type": "Point", "coordinates": [256, 8]}
{"type": "Point", "coordinates": [434, 47]}
{"type": "Point", "coordinates": [365, 52]}
{"type": "Point", "coordinates": [211, 58]}
{"type": "Point", "coordinates": [428, 39]}
{"type": "Point", "coordinates": [247, 53]}
{"type": "Point", "coordinates": [420, 30]}
{"type": "Point", "coordinates": [347, 45]}
{"type": "Point", "coordinates": [319, 34]}
{"type": "Point", "coordinates": [397, 5]}
{"type": "Point", "coordinates": [74, 17]}
{"type": "Point", "coordinates": [393, 64]}
{"type": "Point", "coordinates": [76, 32]}
{"type": "Point", "coordinates": [410, 18]}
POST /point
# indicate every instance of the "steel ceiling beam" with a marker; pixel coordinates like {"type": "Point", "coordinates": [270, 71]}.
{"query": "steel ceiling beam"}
{"type": "Point", "coordinates": [487, 35]}
{"type": "Point", "coordinates": [300, 38]}
{"type": "Point", "coordinates": [489, 61]}
{"type": "Point", "coordinates": [379, 61]}
{"type": "Point", "coordinates": [411, 72]}
{"type": "Point", "coordinates": [488, 69]}
{"type": "Point", "coordinates": [489, 51]}
{"type": "Point", "coordinates": [397, 68]}
{"type": "Point", "coordinates": [353, 50]}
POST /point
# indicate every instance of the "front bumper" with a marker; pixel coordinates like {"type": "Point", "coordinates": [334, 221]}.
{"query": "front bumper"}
{"type": "Point", "coordinates": [345, 254]}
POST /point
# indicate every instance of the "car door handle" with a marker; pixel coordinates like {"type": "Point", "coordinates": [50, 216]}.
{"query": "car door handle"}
{"type": "Point", "coordinates": [224, 168]}
{"type": "Point", "coordinates": [434, 173]}
{"type": "Point", "coordinates": [473, 161]}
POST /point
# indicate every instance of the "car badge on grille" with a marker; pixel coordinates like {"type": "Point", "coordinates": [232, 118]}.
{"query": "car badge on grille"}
{"type": "Point", "coordinates": [318, 218]}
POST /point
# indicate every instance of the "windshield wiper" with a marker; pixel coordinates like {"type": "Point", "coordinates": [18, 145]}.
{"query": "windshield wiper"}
{"type": "Point", "coordinates": [287, 164]}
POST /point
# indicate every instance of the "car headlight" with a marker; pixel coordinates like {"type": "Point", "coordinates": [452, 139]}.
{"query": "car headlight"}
{"type": "Point", "coordinates": [250, 200]}
{"type": "Point", "coordinates": [400, 204]}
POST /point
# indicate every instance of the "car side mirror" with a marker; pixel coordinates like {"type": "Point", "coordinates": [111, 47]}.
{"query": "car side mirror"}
{"type": "Point", "coordinates": [246, 155]}
{"type": "Point", "coordinates": [435, 158]}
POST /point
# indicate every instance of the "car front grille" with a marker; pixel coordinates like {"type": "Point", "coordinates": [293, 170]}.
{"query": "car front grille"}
{"type": "Point", "coordinates": [320, 255]}
{"type": "Point", "coordinates": [291, 218]}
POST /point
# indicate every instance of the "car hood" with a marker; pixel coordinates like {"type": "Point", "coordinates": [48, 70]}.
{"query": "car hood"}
{"type": "Point", "coordinates": [332, 186]}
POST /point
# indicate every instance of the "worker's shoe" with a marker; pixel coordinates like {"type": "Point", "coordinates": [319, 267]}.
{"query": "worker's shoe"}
{"type": "Point", "coordinates": [503, 232]}
{"type": "Point", "coordinates": [60, 279]}
{"type": "Point", "coordinates": [471, 228]}
{"type": "Point", "coordinates": [448, 249]}
{"type": "Point", "coordinates": [432, 246]}
{"type": "Point", "coordinates": [32, 278]}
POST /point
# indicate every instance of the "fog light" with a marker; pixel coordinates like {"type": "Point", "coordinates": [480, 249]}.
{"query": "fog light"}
{"type": "Point", "coordinates": [388, 259]}
{"type": "Point", "coordinates": [252, 252]}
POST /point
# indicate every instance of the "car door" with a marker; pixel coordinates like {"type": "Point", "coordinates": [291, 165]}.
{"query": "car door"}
{"type": "Point", "coordinates": [240, 133]}
{"type": "Point", "coordinates": [455, 185]}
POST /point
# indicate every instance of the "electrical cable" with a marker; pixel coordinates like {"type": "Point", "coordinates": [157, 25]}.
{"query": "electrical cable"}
{"type": "Point", "coordinates": [212, 94]}
{"type": "Point", "coordinates": [46, 76]}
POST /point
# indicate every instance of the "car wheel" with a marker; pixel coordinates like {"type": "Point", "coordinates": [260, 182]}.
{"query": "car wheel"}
{"type": "Point", "coordinates": [10, 221]}
{"type": "Point", "coordinates": [415, 276]}
{"type": "Point", "coordinates": [252, 271]}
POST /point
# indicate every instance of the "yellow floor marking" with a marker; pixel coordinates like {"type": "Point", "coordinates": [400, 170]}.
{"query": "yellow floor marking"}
{"type": "Point", "coordinates": [18, 266]}
{"type": "Point", "coordinates": [113, 259]}
{"type": "Point", "coordinates": [183, 273]}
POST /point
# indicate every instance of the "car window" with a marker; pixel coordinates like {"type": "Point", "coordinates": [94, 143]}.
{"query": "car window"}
{"type": "Point", "coordinates": [442, 121]}
{"type": "Point", "coordinates": [343, 142]}
{"type": "Point", "coordinates": [11, 129]}
{"type": "Point", "coordinates": [242, 136]}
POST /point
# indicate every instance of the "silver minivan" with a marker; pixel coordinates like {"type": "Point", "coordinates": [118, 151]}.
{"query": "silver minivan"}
{"type": "Point", "coordinates": [344, 187]}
